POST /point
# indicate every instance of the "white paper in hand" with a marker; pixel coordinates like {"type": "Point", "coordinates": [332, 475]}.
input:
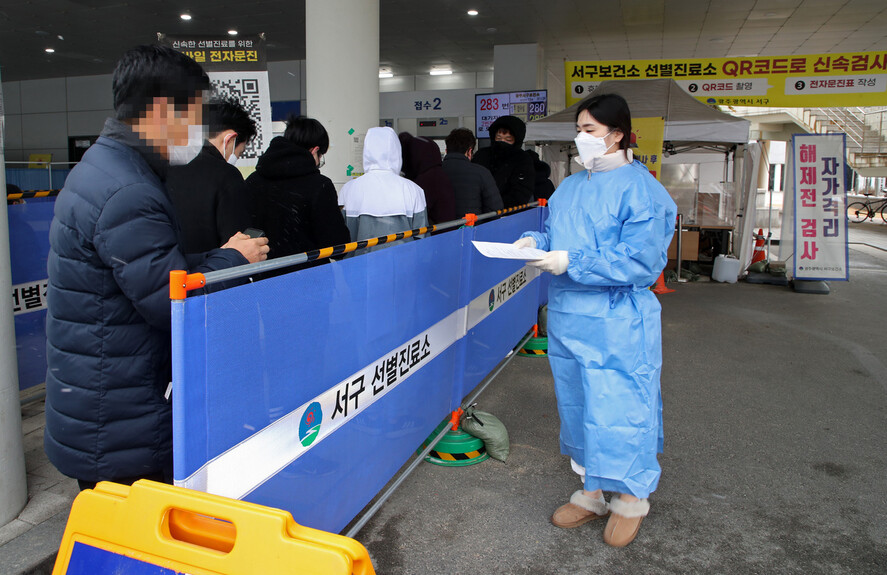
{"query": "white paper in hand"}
{"type": "Point", "coordinates": [508, 251]}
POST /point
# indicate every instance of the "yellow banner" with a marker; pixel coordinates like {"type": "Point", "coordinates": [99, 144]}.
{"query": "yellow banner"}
{"type": "Point", "coordinates": [648, 133]}
{"type": "Point", "coordinates": [39, 160]}
{"type": "Point", "coordinates": [855, 79]}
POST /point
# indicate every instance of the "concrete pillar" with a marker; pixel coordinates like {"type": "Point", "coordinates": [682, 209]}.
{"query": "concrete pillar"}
{"type": "Point", "coordinates": [518, 67]}
{"type": "Point", "coordinates": [13, 481]}
{"type": "Point", "coordinates": [342, 77]}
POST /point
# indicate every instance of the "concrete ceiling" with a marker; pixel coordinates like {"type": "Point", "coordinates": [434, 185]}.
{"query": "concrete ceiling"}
{"type": "Point", "coordinates": [89, 35]}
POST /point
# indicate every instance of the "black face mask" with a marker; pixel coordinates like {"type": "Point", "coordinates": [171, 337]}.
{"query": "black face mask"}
{"type": "Point", "coordinates": [499, 146]}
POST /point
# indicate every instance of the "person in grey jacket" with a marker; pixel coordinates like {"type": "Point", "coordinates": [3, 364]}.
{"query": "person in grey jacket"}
{"type": "Point", "coordinates": [475, 188]}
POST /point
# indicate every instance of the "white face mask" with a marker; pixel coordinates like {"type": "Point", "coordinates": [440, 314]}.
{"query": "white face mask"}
{"type": "Point", "coordinates": [181, 155]}
{"type": "Point", "coordinates": [591, 147]}
{"type": "Point", "coordinates": [232, 159]}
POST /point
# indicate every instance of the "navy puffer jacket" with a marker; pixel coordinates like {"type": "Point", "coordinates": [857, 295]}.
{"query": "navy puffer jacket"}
{"type": "Point", "coordinates": [113, 242]}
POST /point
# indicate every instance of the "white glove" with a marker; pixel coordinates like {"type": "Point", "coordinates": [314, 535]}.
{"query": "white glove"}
{"type": "Point", "coordinates": [555, 262]}
{"type": "Point", "coordinates": [527, 242]}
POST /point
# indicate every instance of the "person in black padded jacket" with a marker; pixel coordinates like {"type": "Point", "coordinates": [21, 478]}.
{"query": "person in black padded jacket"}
{"type": "Point", "coordinates": [293, 203]}
{"type": "Point", "coordinates": [209, 194]}
{"type": "Point", "coordinates": [511, 166]}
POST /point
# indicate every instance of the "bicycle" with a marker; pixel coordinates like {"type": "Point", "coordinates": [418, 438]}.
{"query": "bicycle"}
{"type": "Point", "coordinates": [861, 211]}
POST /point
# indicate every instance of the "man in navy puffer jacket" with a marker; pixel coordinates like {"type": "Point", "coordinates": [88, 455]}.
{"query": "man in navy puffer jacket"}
{"type": "Point", "coordinates": [113, 242]}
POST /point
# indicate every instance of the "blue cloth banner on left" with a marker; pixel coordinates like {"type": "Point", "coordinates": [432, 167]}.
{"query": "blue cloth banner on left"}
{"type": "Point", "coordinates": [37, 178]}
{"type": "Point", "coordinates": [28, 250]}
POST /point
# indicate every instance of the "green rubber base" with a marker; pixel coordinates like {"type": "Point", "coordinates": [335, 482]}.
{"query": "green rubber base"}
{"type": "Point", "coordinates": [535, 347]}
{"type": "Point", "coordinates": [456, 449]}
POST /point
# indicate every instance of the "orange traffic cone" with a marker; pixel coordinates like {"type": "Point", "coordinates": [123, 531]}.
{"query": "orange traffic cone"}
{"type": "Point", "coordinates": [759, 256]}
{"type": "Point", "coordinates": [659, 287]}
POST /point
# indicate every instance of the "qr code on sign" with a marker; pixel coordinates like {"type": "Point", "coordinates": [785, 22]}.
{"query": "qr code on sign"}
{"type": "Point", "coordinates": [251, 90]}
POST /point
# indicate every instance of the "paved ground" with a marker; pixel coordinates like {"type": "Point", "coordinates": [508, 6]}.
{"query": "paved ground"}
{"type": "Point", "coordinates": [28, 543]}
{"type": "Point", "coordinates": [775, 411]}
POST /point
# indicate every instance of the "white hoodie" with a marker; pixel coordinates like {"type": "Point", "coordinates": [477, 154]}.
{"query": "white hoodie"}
{"type": "Point", "coordinates": [381, 202]}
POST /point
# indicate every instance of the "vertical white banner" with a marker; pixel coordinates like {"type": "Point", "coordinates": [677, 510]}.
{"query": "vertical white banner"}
{"type": "Point", "coordinates": [820, 202]}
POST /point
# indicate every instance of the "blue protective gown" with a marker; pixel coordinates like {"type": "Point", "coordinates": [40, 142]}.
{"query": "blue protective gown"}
{"type": "Point", "coordinates": [604, 332]}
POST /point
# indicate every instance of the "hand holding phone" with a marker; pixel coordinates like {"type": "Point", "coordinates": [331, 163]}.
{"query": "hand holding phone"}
{"type": "Point", "coordinates": [254, 249]}
{"type": "Point", "coordinates": [254, 233]}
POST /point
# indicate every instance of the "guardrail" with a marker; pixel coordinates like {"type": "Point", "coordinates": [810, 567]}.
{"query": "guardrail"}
{"type": "Point", "coordinates": [28, 194]}
{"type": "Point", "coordinates": [184, 281]}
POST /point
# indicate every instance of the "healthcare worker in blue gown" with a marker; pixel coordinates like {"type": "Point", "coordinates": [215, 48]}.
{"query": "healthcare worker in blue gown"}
{"type": "Point", "coordinates": [607, 234]}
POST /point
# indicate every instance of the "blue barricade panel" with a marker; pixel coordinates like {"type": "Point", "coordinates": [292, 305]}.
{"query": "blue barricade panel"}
{"type": "Point", "coordinates": [509, 287]}
{"type": "Point", "coordinates": [89, 560]}
{"type": "Point", "coordinates": [28, 250]}
{"type": "Point", "coordinates": [308, 391]}
{"type": "Point", "coordinates": [276, 345]}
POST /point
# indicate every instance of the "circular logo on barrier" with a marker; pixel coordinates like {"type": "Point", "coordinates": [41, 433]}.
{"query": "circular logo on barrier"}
{"type": "Point", "coordinates": [492, 299]}
{"type": "Point", "coordinates": [309, 427]}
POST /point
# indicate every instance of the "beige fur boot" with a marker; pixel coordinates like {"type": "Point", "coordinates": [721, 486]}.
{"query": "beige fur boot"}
{"type": "Point", "coordinates": [581, 509]}
{"type": "Point", "coordinates": [625, 521]}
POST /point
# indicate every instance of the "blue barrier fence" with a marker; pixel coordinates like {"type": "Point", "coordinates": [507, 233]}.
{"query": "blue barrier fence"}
{"type": "Point", "coordinates": [308, 391]}
{"type": "Point", "coordinates": [37, 178]}
{"type": "Point", "coordinates": [28, 250]}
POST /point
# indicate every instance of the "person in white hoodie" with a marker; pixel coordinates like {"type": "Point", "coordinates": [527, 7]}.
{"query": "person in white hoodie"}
{"type": "Point", "coordinates": [381, 202]}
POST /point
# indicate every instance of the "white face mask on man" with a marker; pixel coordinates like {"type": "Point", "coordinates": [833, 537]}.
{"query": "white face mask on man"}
{"type": "Point", "coordinates": [591, 147]}
{"type": "Point", "coordinates": [232, 158]}
{"type": "Point", "coordinates": [181, 155]}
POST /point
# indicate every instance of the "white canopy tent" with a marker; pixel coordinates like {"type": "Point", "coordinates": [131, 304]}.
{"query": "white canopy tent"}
{"type": "Point", "coordinates": [701, 167]}
{"type": "Point", "coordinates": [686, 118]}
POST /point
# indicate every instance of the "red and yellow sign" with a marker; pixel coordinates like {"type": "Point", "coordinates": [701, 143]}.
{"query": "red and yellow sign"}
{"type": "Point", "coordinates": [853, 79]}
{"type": "Point", "coordinates": [648, 133]}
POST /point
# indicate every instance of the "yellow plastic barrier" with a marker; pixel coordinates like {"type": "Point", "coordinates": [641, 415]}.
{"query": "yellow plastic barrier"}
{"type": "Point", "coordinates": [157, 529]}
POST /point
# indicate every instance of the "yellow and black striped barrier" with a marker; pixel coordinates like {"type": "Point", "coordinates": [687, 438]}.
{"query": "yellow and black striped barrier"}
{"type": "Point", "coordinates": [528, 351]}
{"type": "Point", "coordinates": [454, 457]}
{"type": "Point", "coordinates": [455, 449]}
{"type": "Point", "coordinates": [353, 246]}
{"type": "Point", "coordinates": [28, 194]}
{"type": "Point", "coordinates": [342, 249]}
{"type": "Point", "coordinates": [536, 346]}
{"type": "Point", "coordinates": [468, 220]}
